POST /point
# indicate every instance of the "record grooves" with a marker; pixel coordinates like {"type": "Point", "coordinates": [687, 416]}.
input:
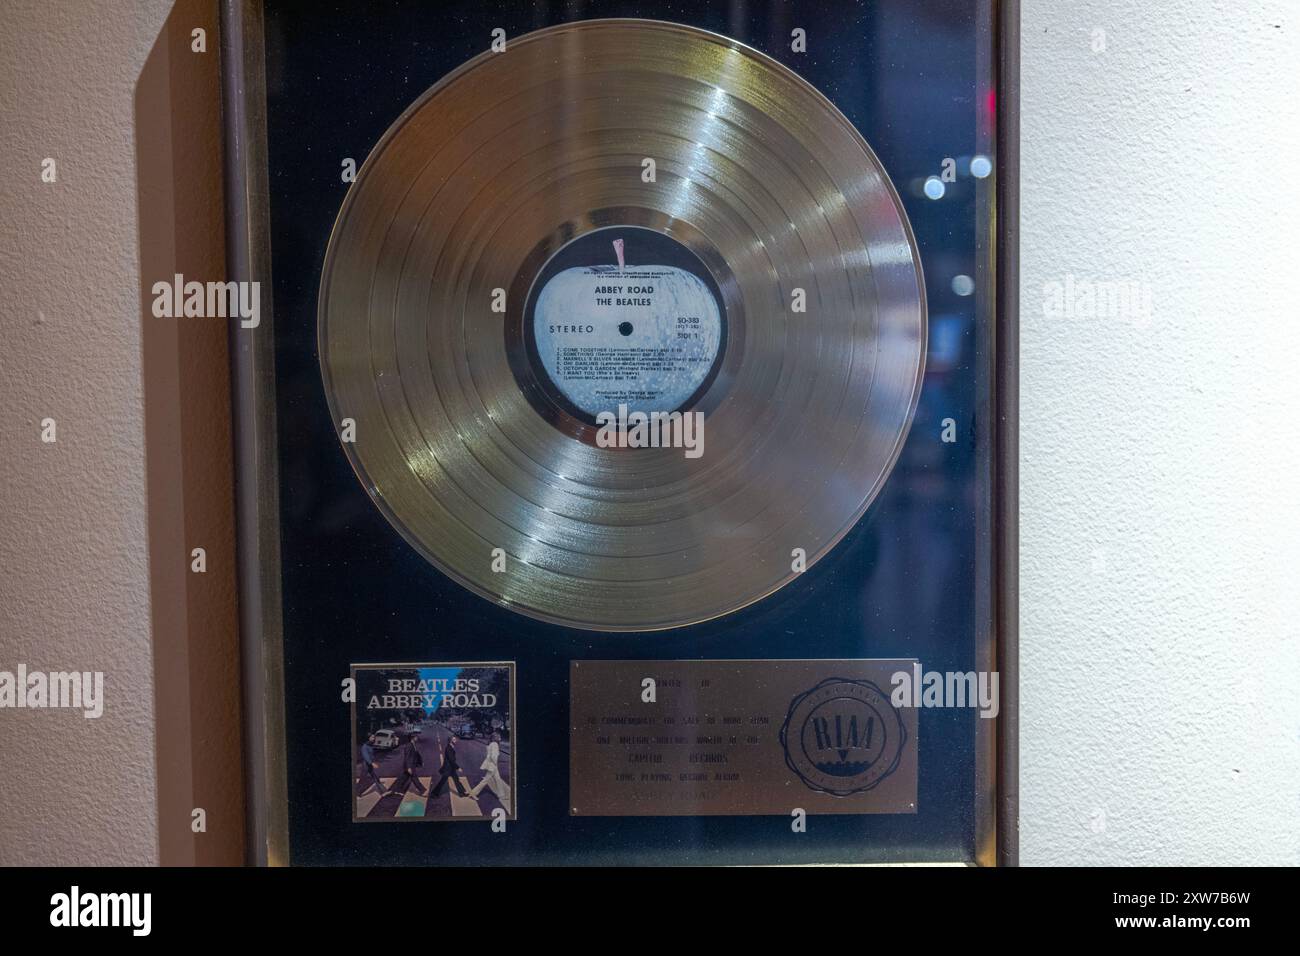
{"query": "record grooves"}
{"type": "Point", "coordinates": [677, 294]}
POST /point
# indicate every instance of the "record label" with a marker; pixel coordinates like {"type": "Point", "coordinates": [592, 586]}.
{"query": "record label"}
{"type": "Point", "coordinates": [625, 317]}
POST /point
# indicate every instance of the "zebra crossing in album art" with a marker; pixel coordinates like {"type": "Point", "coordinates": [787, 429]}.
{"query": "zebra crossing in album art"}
{"type": "Point", "coordinates": [433, 742]}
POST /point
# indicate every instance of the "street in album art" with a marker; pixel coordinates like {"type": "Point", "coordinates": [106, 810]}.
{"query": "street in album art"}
{"type": "Point", "coordinates": [433, 742]}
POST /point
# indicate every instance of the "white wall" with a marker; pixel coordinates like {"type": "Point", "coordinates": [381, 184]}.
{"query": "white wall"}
{"type": "Point", "coordinates": [74, 589]}
{"type": "Point", "coordinates": [1160, 547]}
{"type": "Point", "coordinates": [96, 528]}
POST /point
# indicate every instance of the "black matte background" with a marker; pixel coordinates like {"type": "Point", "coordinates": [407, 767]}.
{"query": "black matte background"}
{"type": "Point", "coordinates": [903, 583]}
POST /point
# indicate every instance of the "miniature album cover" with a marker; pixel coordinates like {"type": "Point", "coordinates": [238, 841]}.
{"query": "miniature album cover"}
{"type": "Point", "coordinates": [433, 742]}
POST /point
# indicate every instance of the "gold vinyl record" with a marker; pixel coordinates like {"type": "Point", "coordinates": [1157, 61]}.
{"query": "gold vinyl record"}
{"type": "Point", "coordinates": [608, 219]}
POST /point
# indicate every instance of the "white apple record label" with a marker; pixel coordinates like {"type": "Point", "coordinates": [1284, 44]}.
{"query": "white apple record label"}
{"type": "Point", "coordinates": [645, 336]}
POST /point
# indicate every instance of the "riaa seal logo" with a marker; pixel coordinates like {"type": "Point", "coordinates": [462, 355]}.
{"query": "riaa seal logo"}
{"type": "Point", "coordinates": [843, 736]}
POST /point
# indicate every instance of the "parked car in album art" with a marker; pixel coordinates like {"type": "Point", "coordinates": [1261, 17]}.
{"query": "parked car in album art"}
{"type": "Point", "coordinates": [433, 742]}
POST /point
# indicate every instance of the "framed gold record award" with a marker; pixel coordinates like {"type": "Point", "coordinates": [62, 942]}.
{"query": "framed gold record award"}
{"type": "Point", "coordinates": [627, 451]}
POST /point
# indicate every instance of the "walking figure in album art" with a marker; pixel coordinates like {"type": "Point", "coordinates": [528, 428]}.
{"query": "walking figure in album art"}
{"type": "Point", "coordinates": [492, 777]}
{"type": "Point", "coordinates": [370, 768]}
{"type": "Point", "coordinates": [450, 769]}
{"type": "Point", "coordinates": [412, 761]}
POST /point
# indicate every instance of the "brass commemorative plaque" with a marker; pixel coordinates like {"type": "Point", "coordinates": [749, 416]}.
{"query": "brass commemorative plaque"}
{"type": "Point", "coordinates": [673, 738]}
